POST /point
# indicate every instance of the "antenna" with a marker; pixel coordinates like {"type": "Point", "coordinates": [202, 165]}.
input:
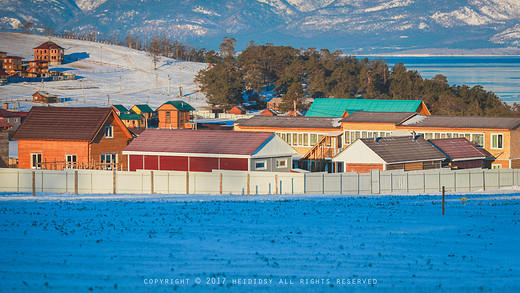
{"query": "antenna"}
{"type": "Point", "coordinates": [180, 82]}
{"type": "Point", "coordinates": [108, 100]}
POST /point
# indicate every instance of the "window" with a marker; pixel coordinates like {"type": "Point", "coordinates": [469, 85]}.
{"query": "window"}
{"type": "Point", "coordinates": [260, 165]}
{"type": "Point", "coordinates": [109, 131]}
{"type": "Point", "coordinates": [70, 161]}
{"type": "Point", "coordinates": [108, 161]}
{"type": "Point", "coordinates": [314, 139]}
{"type": "Point", "coordinates": [281, 163]}
{"type": "Point", "coordinates": [294, 139]}
{"type": "Point", "coordinates": [496, 166]}
{"type": "Point", "coordinates": [306, 139]}
{"type": "Point", "coordinates": [36, 161]}
{"type": "Point", "coordinates": [478, 139]}
{"type": "Point", "coordinates": [497, 141]}
{"type": "Point", "coordinates": [346, 137]}
{"type": "Point", "coordinates": [168, 120]}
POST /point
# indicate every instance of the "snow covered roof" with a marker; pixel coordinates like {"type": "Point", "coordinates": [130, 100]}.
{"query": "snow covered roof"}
{"type": "Point", "coordinates": [290, 122]}
{"type": "Point", "coordinates": [48, 45]}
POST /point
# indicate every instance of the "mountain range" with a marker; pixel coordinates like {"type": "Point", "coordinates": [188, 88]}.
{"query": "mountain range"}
{"type": "Point", "coordinates": [354, 26]}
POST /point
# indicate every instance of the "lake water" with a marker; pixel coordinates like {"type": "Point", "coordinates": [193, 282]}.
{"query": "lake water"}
{"type": "Point", "coordinates": [499, 74]}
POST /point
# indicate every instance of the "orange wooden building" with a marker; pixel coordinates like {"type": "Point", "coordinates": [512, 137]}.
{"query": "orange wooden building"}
{"type": "Point", "coordinates": [38, 68]}
{"type": "Point", "coordinates": [72, 137]}
{"type": "Point", "coordinates": [174, 114]}
{"type": "Point", "coordinates": [12, 64]}
{"type": "Point", "coordinates": [49, 51]}
{"type": "Point", "coordinates": [237, 110]}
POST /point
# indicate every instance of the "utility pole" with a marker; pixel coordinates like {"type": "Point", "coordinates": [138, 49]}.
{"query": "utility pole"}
{"type": "Point", "coordinates": [156, 84]}
{"type": "Point", "coordinates": [120, 87]}
{"type": "Point", "coordinates": [108, 100]}
{"type": "Point", "coordinates": [82, 90]}
{"type": "Point", "coordinates": [180, 82]}
{"type": "Point", "coordinates": [168, 85]}
{"type": "Point", "coordinates": [101, 55]}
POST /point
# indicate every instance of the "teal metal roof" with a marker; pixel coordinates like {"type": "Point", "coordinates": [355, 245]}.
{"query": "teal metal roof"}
{"type": "Point", "coordinates": [144, 108]}
{"type": "Point", "coordinates": [120, 108]}
{"type": "Point", "coordinates": [336, 107]}
{"type": "Point", "coordinates": [181, 105]}
{"type": "Point", "coordinates": [130, 116]}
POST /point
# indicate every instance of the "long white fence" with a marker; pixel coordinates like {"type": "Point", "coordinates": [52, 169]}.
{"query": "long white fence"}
{"type": "Point", "coordinates": [238, 182]}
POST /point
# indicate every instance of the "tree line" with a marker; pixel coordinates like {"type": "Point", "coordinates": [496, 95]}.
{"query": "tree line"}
{"type": "Point", "coordinates": [299, 73]}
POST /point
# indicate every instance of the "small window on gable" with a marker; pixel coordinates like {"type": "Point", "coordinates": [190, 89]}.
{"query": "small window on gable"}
{"type": "Point", "coordinates": [109, 131]}
{"type": "Point", "coordinates": [281, 163]}
{"type": "Point", "coordinates": [497, 141]}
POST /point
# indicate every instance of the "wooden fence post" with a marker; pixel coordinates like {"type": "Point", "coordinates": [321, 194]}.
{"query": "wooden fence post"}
{"type": "Point", "coordinates": [187, 182]}
{"type": "Point", "coordinates": [248, 183]}
{"type": "Point", "coordinates": [220, 182]}
{"type": "Point", "coordinates": [276, 184]}
{"type": "Point", "coordinates": [151, 182]}
{"type": "Point", "coordinates": [114, 181]}
{"type": "Point", "coordinates": [34, 183]}
{"type": "Point", "coordinates": [76, 182]}
{"type": "Point", "coordinates": [443, 200]}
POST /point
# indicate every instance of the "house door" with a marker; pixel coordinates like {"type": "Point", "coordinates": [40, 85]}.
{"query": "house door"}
{"type": "Point", "coordinates": [36, 161]}
{"type": "Point", "coordinates": [108, 161]}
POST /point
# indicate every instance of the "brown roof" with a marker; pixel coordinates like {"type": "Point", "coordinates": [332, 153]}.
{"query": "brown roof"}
{"type": "Point", "coordinates": [8, 114]}
{"type": "Point", "coordinates": [198, 141]}
{"type": "Point", "coordinates": [13, 57]}
{"type": "Point", "coordinates": [290, 122]}
{"type": "Point", "coordinates": [403, 149]}
{"type": "Point", "coordinates": [62, 123]}
{"type": "Point", "coordinates": [379, 117]}
{"type": "Point", "coordinates": [463, 122]}
{"type": "Point", "coordinates": [458, 148]}
{"type": "Point", "coordinates": [4, 124]}
{"type": "Point", "coordinates": [48, 45]}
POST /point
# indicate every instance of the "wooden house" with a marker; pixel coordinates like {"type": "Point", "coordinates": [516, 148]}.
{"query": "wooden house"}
{"type": "Point", "coordinates": [316, 139]}
{"type": "Point", "coordinates": [50, 52]}
{"type": "Point", "coordinates": [44, 97]}
{"type": "Point", "coordinates": [460, 152]}
{"type": "Point", "coordinates": [4, 143]}
{"type": "Point", "coordinates": [406, 153]}
{"type": "Point", "coordinates": [72, 137]}
{"type": "Point", "coordinates": [3, 74]}
{"type": "Point", "coordinates": [343, 107]}
{"type": "Point", "coordinates": [13, 118]}
{"type": "Point", "coordinates": [135, 121]}
{"type": "Point", "coordinates": [274, 103]}
{"type": "Point", "coordinates": [208, 150]}
{"type": "Point", "coordinates": [2, 55]}
{"type": "Point", "coordinates": [12, 64]}
{"type": "Point", "coordinates": [174, 114]}
{"type": "Point", "coordinates": [237, 110]}
{"type": "Point", "coordinates": [269, 112]}
{"type": "Point", "coordinates": [38, 68]}
{"type": "Point", "coordinates": [120, 109]}
{"type": "Point", "coordinates": [144, 110]}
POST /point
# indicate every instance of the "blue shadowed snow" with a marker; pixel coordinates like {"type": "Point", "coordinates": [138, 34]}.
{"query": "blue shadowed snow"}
{"type": "Point", "coordinates": [60, 242]}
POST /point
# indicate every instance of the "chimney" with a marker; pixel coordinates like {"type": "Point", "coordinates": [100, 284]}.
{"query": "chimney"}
{"type": "Point", "coordinates": [413, 136]}
{"type": "Point", "coordinates": [294, 104]}
{"type": "Point", "coordinates": [6, 106]}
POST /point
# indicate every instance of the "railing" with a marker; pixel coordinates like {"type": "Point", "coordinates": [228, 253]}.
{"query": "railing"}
{"type": "Point", "coordinates": [61, 165]}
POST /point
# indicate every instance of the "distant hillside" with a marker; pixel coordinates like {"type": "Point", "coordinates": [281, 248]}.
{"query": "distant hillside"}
{"type": "Point", "coordinates": [355, 26]}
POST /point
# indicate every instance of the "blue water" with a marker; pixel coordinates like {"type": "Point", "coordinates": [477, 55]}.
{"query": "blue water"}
{"type": "Point", "coordinates": [499, 74]}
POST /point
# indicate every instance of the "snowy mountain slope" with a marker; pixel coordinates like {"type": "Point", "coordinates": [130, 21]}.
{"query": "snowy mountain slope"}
{"type": "Point", "coordinates": [333, 24]}
{"type": "Point", "coordinates": [126, 76]}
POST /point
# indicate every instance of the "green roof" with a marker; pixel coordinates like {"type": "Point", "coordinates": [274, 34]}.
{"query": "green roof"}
{"type": "Point", "coordinates": [336, 107]}
{"type": "Point", "coordinates": [120, 108]}
{"type": "Point", "coordinates": [181, 105]}
{"type": "Point", "coordinates": [144, 108]}
{"type": "Point", "coordinates": [130, 116]}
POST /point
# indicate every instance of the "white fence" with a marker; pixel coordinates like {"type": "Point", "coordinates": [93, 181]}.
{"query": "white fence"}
{"type": "Point", "coordinates": [238, 182]}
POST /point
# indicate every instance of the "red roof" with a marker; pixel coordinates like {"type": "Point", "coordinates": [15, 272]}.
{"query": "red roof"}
{"type": "Point", "coordinates": [48, 45]}
{"type": "Point", "coordinates": [458, 148]}
{"type": "Point", "coordinates": [4, 124]}
{"type": "Point", "coordinates": [63, 123]}
{"type": "Point", "coordinates": [13, 57]}
{"type": "Point", "coordinates": [198, 141]}
{"type": "Point", "coordinates": [8, 114]}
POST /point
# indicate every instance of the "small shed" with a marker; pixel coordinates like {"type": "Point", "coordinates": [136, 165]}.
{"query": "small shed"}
{"type": "Point", "coordinates": [120, 109]}
{"type": "Point", "coordinates": [144, 110]}
{"type": "Point", "coordinates": [237, 110]}
{"type": "Point", "coordinates": [269, 112]}
{"type": "Point", "coordinates": [174, 114]}
{"type": "Point", "coordinates": [460, 152]}
{"type": "Point", "coordinates": [207, 150]}
{"type": "Point", "coordinates": [406, 153]}
{"type": "Point", "coordinates": [44, 97]}
{"type": "Point", "coordinates": [274, 103]}
{"type": "Point", "coordinates": [136, 121]}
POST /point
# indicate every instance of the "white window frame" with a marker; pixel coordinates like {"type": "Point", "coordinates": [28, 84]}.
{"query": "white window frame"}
{"type": "Point", "coordinates": [491, 142]}
{"type": "Point", "coordinates": [71, 164]}
{"type": "Point", "coordinates": [278, 161]}
{"type": "Point", "coordinates": [39, 164]}
{"type": "Point", "coordinates": [109, 131]}
{"type": "Point", "coordinates": [261, 168]}
{"type": "Point", "coordinates": [113, 160]}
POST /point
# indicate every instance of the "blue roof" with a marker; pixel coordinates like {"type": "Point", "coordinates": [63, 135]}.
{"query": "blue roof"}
{"type": "Point", "coordinates": [336, 107]}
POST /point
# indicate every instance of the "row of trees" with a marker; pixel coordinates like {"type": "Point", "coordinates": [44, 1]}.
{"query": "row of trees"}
{"type": "Point", "coordinates": [299, 73]}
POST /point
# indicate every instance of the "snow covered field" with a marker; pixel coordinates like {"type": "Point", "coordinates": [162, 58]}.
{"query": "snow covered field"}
{"type": "Point", "coordinates": [60, 242]}
{"type": "Point", "coordinates": [132, 81]}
